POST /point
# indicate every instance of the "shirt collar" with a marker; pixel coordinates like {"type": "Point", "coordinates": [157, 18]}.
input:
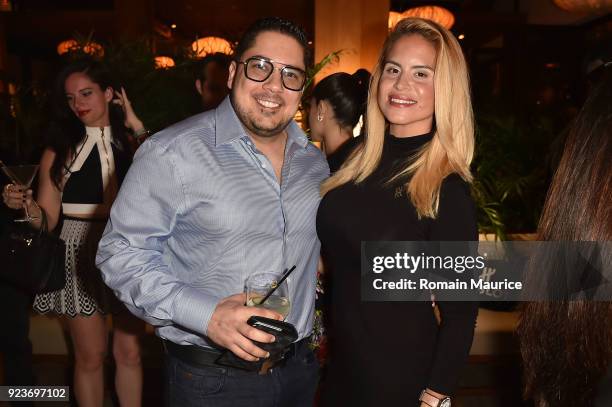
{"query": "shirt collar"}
{"type": "Point", "coordinates": [229, 128]}
{"type": "Point", "coordinates": [96, 132]}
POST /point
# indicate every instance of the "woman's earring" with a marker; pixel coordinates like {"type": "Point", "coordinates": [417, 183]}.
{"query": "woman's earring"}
{"type": "Point", "coordinates": [319, 117]}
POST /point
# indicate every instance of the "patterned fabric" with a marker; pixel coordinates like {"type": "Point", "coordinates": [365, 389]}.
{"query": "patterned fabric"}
{"type": "Point", "coordinates": [85, 292]}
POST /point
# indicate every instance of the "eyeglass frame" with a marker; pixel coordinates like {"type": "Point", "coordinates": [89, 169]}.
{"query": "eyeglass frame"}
{"type": "Point", "coordinates": [272, 62]}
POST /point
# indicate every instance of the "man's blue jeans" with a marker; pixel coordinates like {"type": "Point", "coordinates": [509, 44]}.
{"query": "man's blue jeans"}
{"type": "Point", "coordinates": [292, 384]}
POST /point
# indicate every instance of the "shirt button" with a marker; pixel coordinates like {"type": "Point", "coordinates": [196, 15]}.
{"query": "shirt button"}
{"type": "Point", "coordinates": [263, 165]}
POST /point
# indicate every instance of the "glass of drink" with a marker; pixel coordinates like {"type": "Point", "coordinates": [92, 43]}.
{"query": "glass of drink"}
{"type": "Point", "coordinates": [258, 285]}
{"type": "Point", "coordinates": [21, 175]}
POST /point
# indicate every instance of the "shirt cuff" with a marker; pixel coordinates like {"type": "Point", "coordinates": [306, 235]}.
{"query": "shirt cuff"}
{"type": "Point", "coordinates": [193, 309]}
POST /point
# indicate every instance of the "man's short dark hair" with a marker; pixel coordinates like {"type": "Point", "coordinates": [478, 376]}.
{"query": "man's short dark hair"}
{"type": "Point", "coordinates": [223, 60]}
{"type": "Point", "coordinates": [273, 24]}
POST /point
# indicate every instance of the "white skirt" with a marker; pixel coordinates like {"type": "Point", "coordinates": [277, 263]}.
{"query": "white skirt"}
{"type": "Point", "coordinates": [85, 293]}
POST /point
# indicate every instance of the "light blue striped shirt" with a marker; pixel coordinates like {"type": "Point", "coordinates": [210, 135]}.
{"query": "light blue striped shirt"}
{"type": "Point", "coordinates": [199, 211]}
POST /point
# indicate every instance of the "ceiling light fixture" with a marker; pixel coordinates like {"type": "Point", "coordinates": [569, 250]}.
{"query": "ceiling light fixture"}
{"type": "Point", "coordinates": [162, 62]}
{"type": "Point", "coordinates": [437, 14]}
{"type": "Point", "coordinates": [91, 48]}
{"type": "Point", "coordinates": [211, 45]}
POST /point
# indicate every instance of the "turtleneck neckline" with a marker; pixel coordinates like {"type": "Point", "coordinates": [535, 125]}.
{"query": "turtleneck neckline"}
{"type": "Point", "coordinates": [408, 143]}
{"type": "Point", "coordinates": [397, 153]}
{"type": "Point", "coordinates": [429, 135]}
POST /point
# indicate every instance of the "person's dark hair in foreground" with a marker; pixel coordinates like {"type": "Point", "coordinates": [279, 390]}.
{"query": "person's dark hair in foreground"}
{"type": "Point", "coordinates": [567, 345]}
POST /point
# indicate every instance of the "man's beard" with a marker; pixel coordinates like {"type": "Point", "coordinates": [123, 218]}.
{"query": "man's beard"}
{"type": "Point", "coordinates": [251, 124]}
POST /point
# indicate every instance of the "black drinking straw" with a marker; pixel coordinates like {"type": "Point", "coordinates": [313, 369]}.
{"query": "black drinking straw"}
{"type": "Point", "coordinates": [283, 278]}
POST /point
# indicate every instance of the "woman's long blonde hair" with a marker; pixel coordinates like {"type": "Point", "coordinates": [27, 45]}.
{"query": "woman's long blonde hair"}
{"type": "Point", "coordinates": [452, 146]}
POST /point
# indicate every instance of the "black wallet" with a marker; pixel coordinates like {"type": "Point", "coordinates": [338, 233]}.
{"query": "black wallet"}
{"type": "Point", "coordinates": [284, 333]}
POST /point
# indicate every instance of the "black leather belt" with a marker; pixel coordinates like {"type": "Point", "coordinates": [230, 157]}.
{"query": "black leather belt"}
{"type": "Point", "coordinates": [192, 354]}
{"type": "Point", "coordinates": [201, 356]}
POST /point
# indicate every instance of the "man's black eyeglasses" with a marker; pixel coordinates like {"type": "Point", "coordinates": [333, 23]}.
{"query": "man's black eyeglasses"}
{"type": "Point", "coordinates": [259, 69]}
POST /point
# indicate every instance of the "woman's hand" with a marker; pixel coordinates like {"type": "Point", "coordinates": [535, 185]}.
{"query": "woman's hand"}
{"type": "Point", "coordinates": [132, 121]}
{"type": "Point", "coordinates": [14, 196]}
{"type": "Point", "coordinates": [17, 197]}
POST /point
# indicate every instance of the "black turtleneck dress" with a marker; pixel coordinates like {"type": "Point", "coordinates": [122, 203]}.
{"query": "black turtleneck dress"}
{"type": "Point", "coordinates": [385, 353]}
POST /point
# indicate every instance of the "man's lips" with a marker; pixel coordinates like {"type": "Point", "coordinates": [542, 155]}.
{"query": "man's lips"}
{"type": "Point", "coordinates": [401, 101]}
{"type": "Point", "coordinates": [82, 113]}
{"type": "Point", "coordinates": [267, 102]}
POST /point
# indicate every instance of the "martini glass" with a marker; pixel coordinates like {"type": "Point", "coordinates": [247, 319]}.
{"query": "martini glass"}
{"type": "Point", "coordinates": [21, 175]}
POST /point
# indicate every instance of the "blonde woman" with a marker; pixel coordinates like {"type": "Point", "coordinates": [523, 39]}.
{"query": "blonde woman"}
{"type": "Point", "coordinates": [411, 177]}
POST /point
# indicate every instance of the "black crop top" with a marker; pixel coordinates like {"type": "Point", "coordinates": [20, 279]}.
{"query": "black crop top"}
{"type": "Point", "coordinates": [94, 175]}
{"type": "Point", "coordinates": [85, 186]}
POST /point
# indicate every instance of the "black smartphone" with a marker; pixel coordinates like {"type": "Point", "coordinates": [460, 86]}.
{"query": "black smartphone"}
{"type": "Point", "coordinates": [284, 332]}
{"type": "Point", "coordinates": [285, 335]}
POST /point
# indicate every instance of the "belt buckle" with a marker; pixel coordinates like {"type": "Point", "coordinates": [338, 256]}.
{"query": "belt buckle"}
{"type": "Point", "coordinates": [267, 366]}
{"type": "Point", "coordinates": [277, 359]}
{"type": "Point", "coordinates": [271, 362]}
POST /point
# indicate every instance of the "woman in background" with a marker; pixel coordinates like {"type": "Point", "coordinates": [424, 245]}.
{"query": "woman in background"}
{"type": "Point", "coordinates": [80, 174]}
{"type": "Point", "coordinates": [570, 365]}
{"type": "Point", "coordinates": [410, 178]}
{"type": "Point", "coordinates": [337, 103]}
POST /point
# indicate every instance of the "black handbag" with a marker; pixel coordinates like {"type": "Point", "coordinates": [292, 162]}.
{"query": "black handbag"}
{"type": "Point", "coordinates": [32, 260]}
